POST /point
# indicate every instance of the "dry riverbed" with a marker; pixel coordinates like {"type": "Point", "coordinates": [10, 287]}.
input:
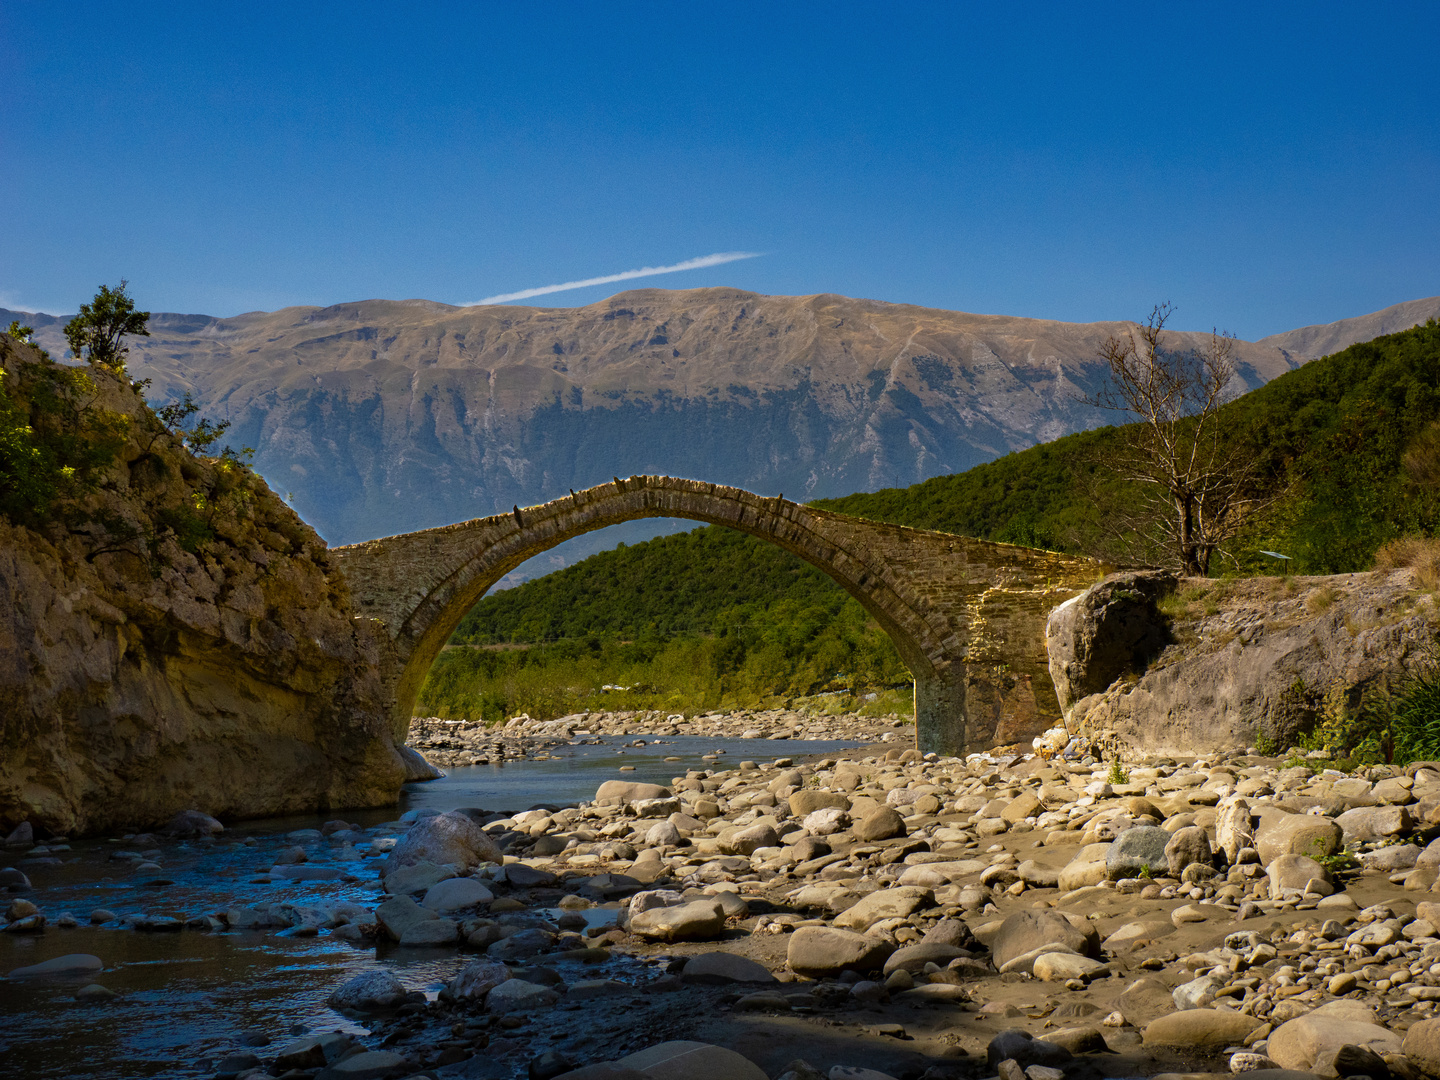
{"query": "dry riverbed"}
{"type": "Point", "coordinates": [998, 916]}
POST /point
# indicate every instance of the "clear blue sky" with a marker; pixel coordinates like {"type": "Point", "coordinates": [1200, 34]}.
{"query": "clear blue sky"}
{"type": "Point", "coordinates": [1263, 166]}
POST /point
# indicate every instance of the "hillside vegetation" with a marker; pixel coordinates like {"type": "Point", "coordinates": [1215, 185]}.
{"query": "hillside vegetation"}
{"type": "Point", "coordinates": [715, 617]}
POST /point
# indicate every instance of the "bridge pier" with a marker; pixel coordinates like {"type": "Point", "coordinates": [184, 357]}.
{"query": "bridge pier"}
{"type": "Point", "coordinates": [941, 723]}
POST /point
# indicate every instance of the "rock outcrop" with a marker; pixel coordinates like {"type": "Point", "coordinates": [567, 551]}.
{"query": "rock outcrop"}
{"type": "Point", "coordinates": [175, 638]}
{"type": "Point", "coordinates": [1251, 659]}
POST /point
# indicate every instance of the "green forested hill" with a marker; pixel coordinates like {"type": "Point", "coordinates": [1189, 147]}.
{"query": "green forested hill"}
{"type": "Point", "coordinates": [1353, 439]}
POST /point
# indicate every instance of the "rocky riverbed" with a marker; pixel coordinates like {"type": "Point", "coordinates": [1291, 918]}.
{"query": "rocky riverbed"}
{"type": "Point", "coordinates": [451, 743]}
{"type": "Point", "coordinates": [998, 916]}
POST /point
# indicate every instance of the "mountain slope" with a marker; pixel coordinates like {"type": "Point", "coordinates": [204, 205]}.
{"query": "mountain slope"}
{"type": "Point", "coordinates": [1310, 342]}
{"type": "Point", "coordinates": [387, 416]}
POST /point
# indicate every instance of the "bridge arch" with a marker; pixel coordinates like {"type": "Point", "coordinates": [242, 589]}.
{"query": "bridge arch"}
{"type": "Point", "coordinates": [921, 587]}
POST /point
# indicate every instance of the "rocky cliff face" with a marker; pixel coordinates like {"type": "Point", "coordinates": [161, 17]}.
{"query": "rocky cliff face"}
{"type": "Point", "coordinates": [176, 638]}
{"type": "Point", "coordinates": [1235, 660]}
{"type": "Point", "coordinates": [385, 417]}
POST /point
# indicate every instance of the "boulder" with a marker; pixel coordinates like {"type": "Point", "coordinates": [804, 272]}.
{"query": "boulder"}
{"type": "Point", "coordinates": [430, 933]}
{"type": "Point", "coordinates": [1298, 1043]}
{"type": "Point", "coordinates": [913, 958]}
{"type": "Point", "coordinates": [1422, 1046]}
{"type": "Point", "coordinates": [896, 902]}
{"type": "Point", "coordinates": [1138, 852]}
{"type": "Point", "coordinates": [517, 995]}
{"type": "Point", "coordinates": [451, 838]}
{"type": "Point", "coordinates": [1234, 828]}
{"type": "Point", "coordinates": [1374, 822]}
{"type": "Point", "coordinates": [808, 800]}
{"type": "Point", "coordinates": [684, 1060]}
{"type": "Point", "coordinates": [820, 951]}
{"type": "Point", "coordinates": [1086, 868]}
{"type": "Point", "coordinates": [825, 822]}
{"type": "Point", "coordinates": [716, 968]}
{"type": "Point", "coordinates": [418, 877]}
{"type": "Point", "coordinates": [475, 980]}
{"type": "Point", "coordinates": [1208, 1029]}
{"type": "Point", "coordinates": [1024, 935]}
{"type": "Point", "coordinates": [366, 1065]}
{"type": "Point", "coordinates": [619, 792]}
{"type": "Point", "coordinates": [399, 914]}
{"type": "Point", "coordinates": [1063, 966]}
{"type": "Point", "coordinates": [881, 823]}
{"type": "Point", "coordinates": [695, 921]}
{"type": "Point", "coordinates": [748, 840]}
{"type": "Point", "coordinates": [1019, 1046]}
{"type": "Point", "coordinates": [1294, 873]}
{"type": "Point", "coordinates": [1296, 834]}
{"type": "Point", "coordinates": [1108, 630]}
{"type": "Point", "coordinates": [189, 823]}
{"type": "Point", "coordinates": [69, 965]}
{"type": "Point", "coordinates": [368, 991]}
{"type": "Point", "coordinates": [456, 893]}
{"type": "Point", "coordinates": [1187, 847]}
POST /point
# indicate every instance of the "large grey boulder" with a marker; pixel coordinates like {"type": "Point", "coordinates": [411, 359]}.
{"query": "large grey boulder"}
{"type": "Point", "coordinates": [698, 920]}
{"type": "Point", "coordinates": [1138, 852]}
{"type": "Point", "coordinates": [1111, 629]}
{"type": "Point", "coordinates": [370, 990]}
{"type": "Point", "coordinates": [618, 792]}
{"type": "Point", "coordinates": [450, 838]}
{"type": "Point", "coordinates": [1297, 1043]}
{"type": "Point", "coordinates": [819, 951]}
{"type": "Point", "coordinates": [1025, 935]}
{"type": "Point", "coordinates": [1296, 834]}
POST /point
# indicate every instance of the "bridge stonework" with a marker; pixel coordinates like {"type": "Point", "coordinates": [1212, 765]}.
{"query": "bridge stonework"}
{"type": "Point", "coordinates": [967, 616]}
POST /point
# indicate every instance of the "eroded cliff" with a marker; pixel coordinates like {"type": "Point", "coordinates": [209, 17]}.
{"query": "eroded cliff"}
{"type": "Point", "coordinates": [172, 635]}
{"type": "Point", "coordinates": [1147, 663]}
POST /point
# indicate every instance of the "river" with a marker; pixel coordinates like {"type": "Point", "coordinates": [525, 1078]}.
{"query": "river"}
{"type": "Point", "coordinates": [185, 999]}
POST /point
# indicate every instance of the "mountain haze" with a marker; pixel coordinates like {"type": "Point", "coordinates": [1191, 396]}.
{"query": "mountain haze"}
{"type": "Point", "coordinates": [387, 416]}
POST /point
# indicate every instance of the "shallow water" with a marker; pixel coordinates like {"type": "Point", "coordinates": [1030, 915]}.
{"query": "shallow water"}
{"type": "Point", "coordinates": [188, 998]}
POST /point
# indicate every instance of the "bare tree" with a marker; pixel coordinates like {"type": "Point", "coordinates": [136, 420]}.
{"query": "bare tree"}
{"type": "Point", "coordinates": [1197, 483]}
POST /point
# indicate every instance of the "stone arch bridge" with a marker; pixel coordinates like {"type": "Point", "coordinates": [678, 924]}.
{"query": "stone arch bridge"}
{"type": "Point", "coordinates": [967, 616]}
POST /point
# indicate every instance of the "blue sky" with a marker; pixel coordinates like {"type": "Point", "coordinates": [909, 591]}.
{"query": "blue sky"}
{"type": "Point", "coordinates": [1261, 166]}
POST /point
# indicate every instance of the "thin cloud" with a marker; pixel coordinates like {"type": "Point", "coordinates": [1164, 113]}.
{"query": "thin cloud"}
{"type": "Point", "coordinates": [703, 261]}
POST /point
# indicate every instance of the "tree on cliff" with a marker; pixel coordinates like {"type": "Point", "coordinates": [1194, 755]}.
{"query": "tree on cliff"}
{"type": "Point", "coordinates": [1197, 483]}
{"type": "Point", "coordinates": [95, 333]}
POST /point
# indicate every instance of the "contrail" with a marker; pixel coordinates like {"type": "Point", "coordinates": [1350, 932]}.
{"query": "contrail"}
{"type": "Point", "coordinates": [645, 271]}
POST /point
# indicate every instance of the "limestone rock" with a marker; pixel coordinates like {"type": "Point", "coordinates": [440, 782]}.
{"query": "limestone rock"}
{"type": "Point", "coordinates": [451, 838]}
{"type": "Point", "coordinates": [1297, 1043]}
{"type": "Point", "coordinates": [1110, 629]}
{"type": "Point", "coordinates": [880, 824]}
{"type": "Point", "coordinates": [615, 792]}
{"type": "Point", "coordinates": [1422, 1046]}
{"type": "Point", "coordinates": [808, 800]}
{"type": "Point", "coordinates": [1200, 1029]}
{"type": "Point", "coordinates": [456, 893]}
{"type": "Point", "coordinates": [1138, 851]}
{"type": "Point", "coordinates": [895, 902]}
{"type": "Point", "coordinates": [368, 991]}
{"type": "Point", "coordinates": [698, 920]}
{"type": "Point", "coordinates": [475, 980]}
{"type": "Point", "coordinates": [720, 968]}
{"type": "Point", "coordinates": [820, 951]}
{"type": "Point", "coordinates": [1187, 846]}
{"type": "Point", "coordinates": [684, 1060]}
{"type": "Point", "coordinates": [1024, 935]}
{"type": "Point", "coordinates": [1296, 834]}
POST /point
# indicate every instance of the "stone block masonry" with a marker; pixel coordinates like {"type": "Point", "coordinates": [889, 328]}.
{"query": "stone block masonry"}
{"type": "Point", "coordinates": [967, 616]}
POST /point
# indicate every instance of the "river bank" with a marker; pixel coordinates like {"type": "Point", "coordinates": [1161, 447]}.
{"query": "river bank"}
{"type": "Point", "coordinates": [924, 918]}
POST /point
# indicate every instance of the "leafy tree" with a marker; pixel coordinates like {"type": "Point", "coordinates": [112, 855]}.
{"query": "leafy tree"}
{"type": "Point", "coordinates": [95, 334]}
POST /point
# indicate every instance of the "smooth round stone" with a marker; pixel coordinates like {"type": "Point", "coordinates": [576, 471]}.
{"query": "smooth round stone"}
{"type": "Point", "coordinates": [1200, 1028]}
{"type": "Point", "coordinates": [431, 932]}
{"type": "Point", "coordinates": [71, 964]}
{"type": "Point", "coordinates": [94, 994]}
{"type": "Point", "coordinates": [456, 893]}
